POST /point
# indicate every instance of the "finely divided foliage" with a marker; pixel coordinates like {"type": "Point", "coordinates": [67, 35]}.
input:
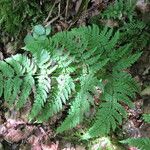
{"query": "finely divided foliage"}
{"type": "Point", "coordinates": [16, 79]}
{"type": "Point", "coordinates": [141, 143]}
{"type": "Point", "coordinates": [120, 9]}
{"type": "Point", "coordinates": [68, 68]}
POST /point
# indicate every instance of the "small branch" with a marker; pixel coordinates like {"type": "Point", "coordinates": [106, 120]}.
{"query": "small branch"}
{"type": "Point", "coordinates": [51, 21]}
{"type": "Point", "coordinates": [66, 13]}
{"type": "Point", "coordinates": [50, 12]}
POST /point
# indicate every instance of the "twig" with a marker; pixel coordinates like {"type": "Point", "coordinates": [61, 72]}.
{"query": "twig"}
{"type": "Point", "coordinates": [59, 8]}
{"type": "Point", "coordinates": [55, 18]}
{"type": "Point", "coordinates": [51, 21]}
{"type": "Point", "coordinates": [66, 13]}
{"type": "Point", "coordinates": [50, 12]}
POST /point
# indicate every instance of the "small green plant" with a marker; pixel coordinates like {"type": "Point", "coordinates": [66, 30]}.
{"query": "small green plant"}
{"type": "Point", "coordinates": [70, 68]}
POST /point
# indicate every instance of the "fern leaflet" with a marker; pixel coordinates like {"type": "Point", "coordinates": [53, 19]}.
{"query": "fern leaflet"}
{"type": "Point", "coordinates": [141, 143]}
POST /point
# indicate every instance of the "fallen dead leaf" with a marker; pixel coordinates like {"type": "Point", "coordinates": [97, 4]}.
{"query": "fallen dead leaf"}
{"type": "Point", "coordinates": [14, 135]}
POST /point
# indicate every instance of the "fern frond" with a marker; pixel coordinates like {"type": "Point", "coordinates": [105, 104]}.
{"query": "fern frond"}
{"type": "Point", "coordinates": [80, 40]}
{"type": "Point", "coordinates": [122, 81]}
{"type": "Point", "coordinates": [141, 143]}
{"type": "Point", "coordinates": [127, 62]}
{"type": "Point", "coordinates": [120, 88]}
{"type": "Point", "coordinates": [134, 32]}
{"type": "Point", "coordinates": [37, 43]}
{"type": "Point", "coordinates": [26, 88]}
{"type": "Point", "coordinates": [20, 76]}
{"type": "Point", "coordinates": [120, 52]}
{"type": "Point", "coordinates": [41, 95]}
{"type": "Point", "coordinates": [64, 61]}
{"type": "Point", "coordinates": [86, 45]}
{"type": "Point", "coordinates": [24, 65]}
{"type": "Point", "coordinates": [76, 113]}
{"type": "Point", "coordinates": [107, 118]}
{"type": "Point", "coordinates": [81, 103]}
{"type": "Point", "coordinates": [120, 85]}
{"type": "Point", "coordinates": [92, 59]}
{"type": "Point", "coordinates": [59, 97]}
{"type": "Point", "coordinates": [135, 26]}
{"type": "Point", "coordinates": [93, 53]}
{"type": "Point", "coordinates": [16, 76]}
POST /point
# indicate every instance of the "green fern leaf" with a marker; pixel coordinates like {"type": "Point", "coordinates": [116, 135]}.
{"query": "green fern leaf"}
{"type": "Point", "coordinates": [59, 97]}
{"type": "Point", "coordinates": [120, 52]}
{"type": "Point", "coordinates": [91, 58]}
{"type": "Point", "coordinates": [107, 118]}
{"type": "Point", "coordinates": [141, 143]}
{"type": "Point", "coordinates": [64, 61]}
{"type": "Point", "coordinates": [127, 62]}
{"type": "Point", "coordinates": [41, 95]}
{"type": "Point", "coordinates": [81, 103]}
{"type": "Point", "coordinates": [26, 87]}
{"type": "Point", "coordinates": [15, 91]}
{"type": "Point", "coordinates": [77, 110]}
{"type": "Point", "coordinates": [119, 9]}
{"type": "Point", "coordinates": [11, 73]}
{"type": "Point", "coordinates": [146, 118]}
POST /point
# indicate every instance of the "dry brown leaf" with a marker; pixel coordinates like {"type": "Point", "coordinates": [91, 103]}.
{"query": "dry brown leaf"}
{"type": "Point", "coordinates": [52, 146]}
{"type": "Point", "coordinates": [14, 135]}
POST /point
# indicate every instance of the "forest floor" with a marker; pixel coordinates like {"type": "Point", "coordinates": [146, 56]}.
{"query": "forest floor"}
{"type": "Point", "coordinates": [16, 133]}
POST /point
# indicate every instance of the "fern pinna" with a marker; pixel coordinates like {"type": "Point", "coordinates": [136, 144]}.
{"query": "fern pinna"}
{"type": "Point", "coordinates": [133, 29]}
{"type": "Point", "coordinates": [68, 68]}
{"type": "Point", "coordinates": [141, 143]}
{"type": "Point", "coordinates": [120, 10]}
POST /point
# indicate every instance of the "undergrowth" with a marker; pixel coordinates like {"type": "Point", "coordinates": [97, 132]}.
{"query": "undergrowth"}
{"type": "Point", "coordinates": [17, 16]}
